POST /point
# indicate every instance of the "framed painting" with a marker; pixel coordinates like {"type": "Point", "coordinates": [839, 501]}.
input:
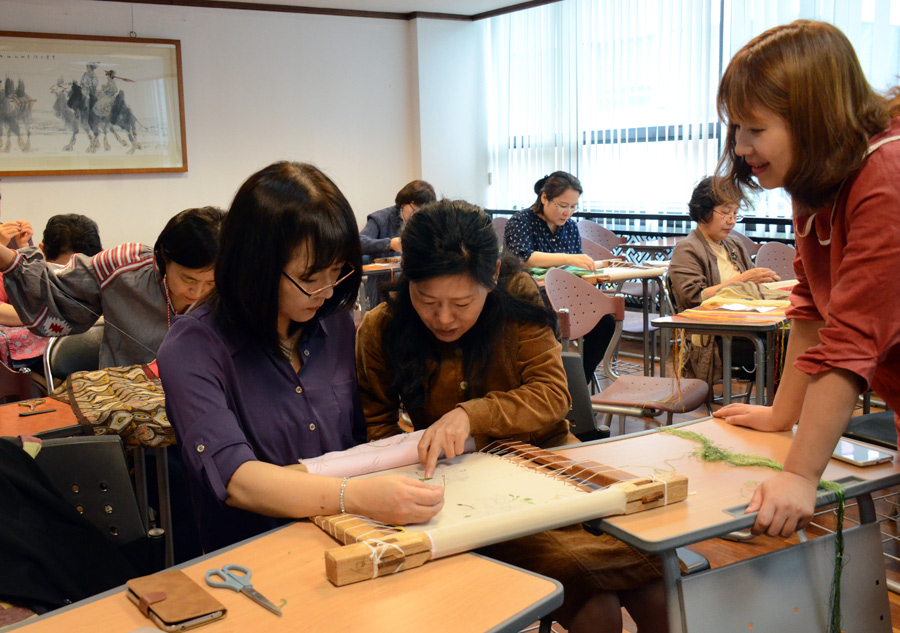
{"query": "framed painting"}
{"type": "Point", "coordinates": [74, 104]}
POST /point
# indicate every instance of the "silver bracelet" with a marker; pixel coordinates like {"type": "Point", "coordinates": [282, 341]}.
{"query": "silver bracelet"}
{"type": "Point", "coordinates": [343, 486]}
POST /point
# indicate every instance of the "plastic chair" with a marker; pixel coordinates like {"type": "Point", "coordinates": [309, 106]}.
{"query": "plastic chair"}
{"type": "Point", "coordinates": [499, 223]}
{"type": "Point", "coordinates": [599, 234]}
{"type": "Point", "coordinates": [628, 395]}
{"type": "Point", "coordinates": [76, 352]}
{"type": "Point", "coordinates": [15, 385]}
{"type": "Point", "coordinates": [596, 251]}
{"type": "Point", "coordinates": [777, 256]}
{"type": "Point", "coordinates": [92, 475]}
{"type": "Point", "coordinates": [749, 245]}
{"type": "Point", "coordinates": [581, 414]}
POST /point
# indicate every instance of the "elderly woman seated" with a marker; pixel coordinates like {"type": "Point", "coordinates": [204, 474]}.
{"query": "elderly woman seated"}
{"type": "Point", "coordinates": [704, 262]}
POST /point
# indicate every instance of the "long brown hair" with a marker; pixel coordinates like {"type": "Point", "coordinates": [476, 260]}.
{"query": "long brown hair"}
{"type": "Point", "coordinates": [808, 74]}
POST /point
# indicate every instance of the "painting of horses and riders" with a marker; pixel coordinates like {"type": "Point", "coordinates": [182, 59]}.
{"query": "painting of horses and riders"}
{"type": "Point", "coordinates": [78, 105]}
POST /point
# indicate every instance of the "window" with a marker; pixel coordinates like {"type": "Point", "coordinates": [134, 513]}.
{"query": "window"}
{"type": "Point", "coordinates": [622, 93]}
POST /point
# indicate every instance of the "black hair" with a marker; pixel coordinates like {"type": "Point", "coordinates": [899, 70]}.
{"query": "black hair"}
{"type": "Point", "coordinates": [276, 211]}
{"type": "Point", "coordinates": [553, 186]}
{"type": "Point", "coordinates": [703, 201]}
{"type": "Point", "coordinates": [71, 233]}
{"type": "Point", "coordinates": [417, 192]}
{"type": "Point", "coordinates": [190, 239]}
{"type": "Point", "coordinates": [450, 238]}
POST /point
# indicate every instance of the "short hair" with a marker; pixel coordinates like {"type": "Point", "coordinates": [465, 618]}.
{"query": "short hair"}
{"type": "Point", "coordinates": [417, 192]}
{"type": "Point", "coordinates": [276, 211]}
{"type": "Point", "coordinates": [190, 239]}
{"type": "Point", "coordinates": [553, 186]}
{"type": "Point", "coordinates": [450, 237]}
{"type": "Point", "coordinates": [71, 233]}
{"type": "Point", "coordinates": [703, 201]}
{"type": "Point", "coordinates": [808, 74]}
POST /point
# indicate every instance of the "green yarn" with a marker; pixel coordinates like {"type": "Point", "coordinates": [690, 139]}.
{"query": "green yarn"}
{"type": "Point", "coordinates": [710, 452]}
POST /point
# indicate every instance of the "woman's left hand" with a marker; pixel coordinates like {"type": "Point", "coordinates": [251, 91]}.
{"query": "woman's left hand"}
{"type": "Point", "coordinates": [784, 505]}
{"type": "Point", "coordinates": [448, 434]}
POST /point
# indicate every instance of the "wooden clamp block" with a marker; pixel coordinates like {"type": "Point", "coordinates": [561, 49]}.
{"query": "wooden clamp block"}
{"type": "Point", "coordinates": [377, 557]}
{"type": "Point", "coordinates": [645, 493]}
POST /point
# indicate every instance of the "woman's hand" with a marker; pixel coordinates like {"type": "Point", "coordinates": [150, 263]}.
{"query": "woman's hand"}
{"type": "Point", "coordinates": [393, 499]}
{"type": "Point", "coordinates": [9, 230]}
{"type": "Point", "coordinates": [25, 233]}
{"type": "Point", "coordinates": [758, 275]}
{"type": "Point", "coordinates": [752, 416]}
{"type": "Point", "coordinates": [784, 504]}
{"type": "Point", "coordinates": [580, 260]}
{"type": "Point", "coordinates": [448, 434]}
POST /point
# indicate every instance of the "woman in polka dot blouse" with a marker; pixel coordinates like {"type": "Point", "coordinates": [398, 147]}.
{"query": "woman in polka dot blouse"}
{"type": "Point", "coordinates": [544, 235]}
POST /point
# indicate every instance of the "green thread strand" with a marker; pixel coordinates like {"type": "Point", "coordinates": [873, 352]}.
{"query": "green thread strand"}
{"type": "Point", "coordinates": [710, 452]}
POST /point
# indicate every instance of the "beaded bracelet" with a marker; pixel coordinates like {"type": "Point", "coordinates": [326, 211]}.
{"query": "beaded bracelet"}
{"type": "Point", "coordinates": [343, 486]}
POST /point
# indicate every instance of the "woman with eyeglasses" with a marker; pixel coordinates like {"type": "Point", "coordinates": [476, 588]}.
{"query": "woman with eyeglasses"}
{"type": "Point", "coordinates": [703, 263]}
{"type": "Point", "coordinates": [263, 375]}
{"type": "Point", "coordinates": [545, 235]}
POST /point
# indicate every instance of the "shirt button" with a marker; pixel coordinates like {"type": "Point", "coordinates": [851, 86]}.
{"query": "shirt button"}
{"type": "Point", "coordinates": [306, 352]}
{"type": "Point", "coordinates": [458, 352]}
{"type": "Point", "coordinates": [200, 448]}
{"type": "Point", "coordinates": [312, 427]}
{"type": "Point", "coordinates": [299, 389]}
{"type": "Point", "coordinates": [463, 385]}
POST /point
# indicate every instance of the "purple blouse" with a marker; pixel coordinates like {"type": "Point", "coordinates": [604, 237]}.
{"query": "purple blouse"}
{"type": "Point", "coordinates": [231, 402]}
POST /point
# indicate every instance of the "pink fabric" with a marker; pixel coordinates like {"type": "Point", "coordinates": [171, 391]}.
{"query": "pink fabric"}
{"type": "Point", "coordinates": [851, 283]}
{"type": "Point", "coordinates": [18, 342]}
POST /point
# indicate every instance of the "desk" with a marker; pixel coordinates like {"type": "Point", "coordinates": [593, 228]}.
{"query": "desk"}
{"type": "Point", "coordinates": [11, 424]}
{"type": "Point", "coordinates": [458, 594]}
{"type": "Point", "coordinates": [645, 274]}
{"type": "Point", "coordinates": [762, 335]}
{"type": "Point", "coordinates": [373, 271]}
{"type": "Point", "coordinates": [653, 249]}
{"type": "Point", "coordinates": [765, 590]}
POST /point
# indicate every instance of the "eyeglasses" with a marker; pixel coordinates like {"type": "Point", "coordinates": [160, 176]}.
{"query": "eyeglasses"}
{"type": "Point", "coordinates": [565, 208]}
{"type": "Point", "coordinates": [730, 216]}
{"type": "Point", "coordinates": [320, 290]}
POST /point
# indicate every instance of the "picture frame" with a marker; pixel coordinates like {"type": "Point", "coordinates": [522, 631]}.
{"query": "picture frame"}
{"type": "Point", "coordinates": [77, 104]}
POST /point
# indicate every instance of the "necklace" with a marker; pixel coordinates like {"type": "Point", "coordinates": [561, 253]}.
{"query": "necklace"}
{"type": "Point", "coordinates": [169, 307]}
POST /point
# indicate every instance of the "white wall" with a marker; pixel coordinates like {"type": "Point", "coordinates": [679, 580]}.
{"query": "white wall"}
{"type": "Point", "coordinates": [258, 87]}
{"type": "Point", "coordinates": [452, 101]}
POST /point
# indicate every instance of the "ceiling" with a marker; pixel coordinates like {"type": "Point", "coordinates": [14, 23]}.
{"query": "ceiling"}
{"type": "Point", "coordinates": [389, 8]}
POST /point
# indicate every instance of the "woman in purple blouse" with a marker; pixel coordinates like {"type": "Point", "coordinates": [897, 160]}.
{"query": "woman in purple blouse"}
{"type": "Point", "coordinates": [264, 375]}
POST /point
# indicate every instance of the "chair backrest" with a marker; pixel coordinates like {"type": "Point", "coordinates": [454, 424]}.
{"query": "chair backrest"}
{"type": "Point", "coordinates": [15, 385]}
{"type": "Point", "coordinates": [92, 475]}
{"type": "Point", "coordinates": [595, 251]}
{"type": "Point", "coordinates": [589, 229]}
{"type": "Point", "coordinates": [779, 257]}
{"type": "Point", "coordinates": [580, 415]}
{"type": "Point", "coordinates": [76, 352]}
{"type": "Point", "coordinates": [751, 246]}
{"type": "Point", "coordinates": [499, 227]}
{"type": "Point", "coordinates": [586, 303]}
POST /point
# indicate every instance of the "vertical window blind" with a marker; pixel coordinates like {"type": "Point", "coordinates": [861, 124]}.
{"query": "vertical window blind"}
{"type": "Point", "coordinates": [621, 93]}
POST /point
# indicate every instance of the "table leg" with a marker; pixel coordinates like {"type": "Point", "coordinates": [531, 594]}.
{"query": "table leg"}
{"type": "Point", "coordinates": [726, 369]}
{"type": "Point", "coordinates": [648, 361]}
{"type": "Point", "coordinates": [672, 583]}
{"type": "Point", "coordinates": [770, 366]}
{"type": "Point", "coordinates": [362, 295]}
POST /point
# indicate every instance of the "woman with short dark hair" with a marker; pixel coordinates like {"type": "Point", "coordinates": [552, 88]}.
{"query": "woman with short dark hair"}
{"type": "Point", "coordinates": [263, 376]}
{"type": "Point", "coordinates": [137, 290]}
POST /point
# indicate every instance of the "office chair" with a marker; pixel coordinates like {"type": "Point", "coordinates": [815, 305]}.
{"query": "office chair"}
{"type": "Point", "coordinates": [749, 245]}
{"type": "Point", "coordinates": [588, 229]}
{"type": "Point", "coordinates": [581, 415]}
{"type": "Point", "coordinates": [76, 352]}
{"type": "Point", "coordinates": [499, 223]}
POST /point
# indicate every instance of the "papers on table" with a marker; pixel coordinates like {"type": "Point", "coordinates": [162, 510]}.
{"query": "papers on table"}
{"type": "Point", "coordinates": [784, 284]}
{"type": "Point", "coordinates": [740, 307]}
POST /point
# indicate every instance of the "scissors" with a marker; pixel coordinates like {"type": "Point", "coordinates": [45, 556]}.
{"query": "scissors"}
{"type": "Point", "coordinates": [237, 578]}
{"type": "Point", "coordinates": [31, 404]}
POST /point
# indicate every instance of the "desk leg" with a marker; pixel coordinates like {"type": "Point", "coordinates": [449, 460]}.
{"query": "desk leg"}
{"type": "Point", "coordinates": [648, 361]}
{"type": "Point", "coordinates": [362, 295]}
{"type": "Point", "coordinates": [726, 369]}
{"type": "Point", "coordinates": [165, 505]}
{"type": "Point", "coordinates": [661, 332]}
{"type": "Point", "coordinates": [763, 371]}
{"type": "Point", "coordinates": [672, 581]}
{"type": "Point", "coordinates": [771, 341]}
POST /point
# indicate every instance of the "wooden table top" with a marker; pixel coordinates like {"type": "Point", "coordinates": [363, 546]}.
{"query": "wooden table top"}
{"type": "Point", "coordinates": [713, 488]}
{"type": "Point", "coordinates": [12, 424]}
{"type": "Point", "coordinates": [458, 594]}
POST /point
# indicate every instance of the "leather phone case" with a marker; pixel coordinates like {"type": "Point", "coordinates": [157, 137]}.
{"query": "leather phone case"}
{"type": "Point", "coordinates": [173, 597]}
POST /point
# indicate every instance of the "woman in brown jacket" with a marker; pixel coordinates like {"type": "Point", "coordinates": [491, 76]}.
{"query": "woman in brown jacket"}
{"type": "Point", "coordinates": [466, 346]}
